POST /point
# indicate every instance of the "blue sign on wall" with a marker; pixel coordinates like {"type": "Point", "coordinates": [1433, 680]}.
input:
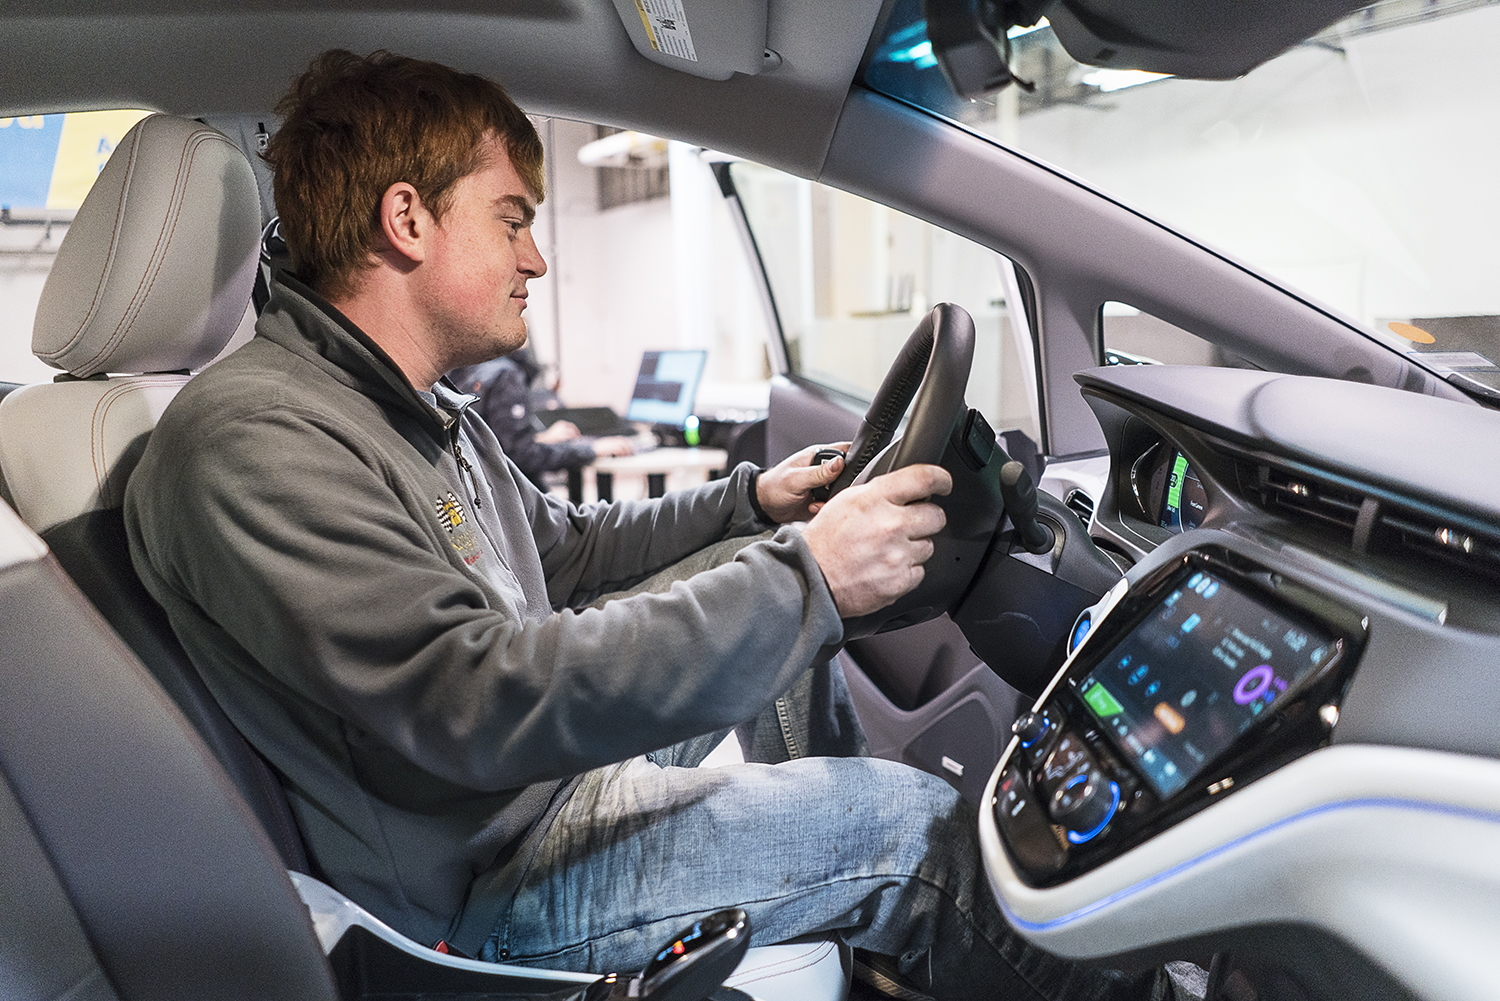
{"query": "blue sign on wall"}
{"type": "Point", "coordinates": [28, 151]}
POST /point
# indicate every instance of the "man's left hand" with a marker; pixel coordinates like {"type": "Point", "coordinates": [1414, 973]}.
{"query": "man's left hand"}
{"type": "Point", "coordinates": [785, 490]}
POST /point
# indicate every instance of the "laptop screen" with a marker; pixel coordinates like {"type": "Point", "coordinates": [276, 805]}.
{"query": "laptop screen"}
{"type": "Point", "coordinates": [666, 387]}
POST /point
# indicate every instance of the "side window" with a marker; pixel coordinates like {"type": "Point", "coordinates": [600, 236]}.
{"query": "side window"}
{"type": "Point", "coordinates": [48, 163]}
{"type": "Point", "coordinates": [1132, 337]}
{"type": "Point", "coordinates": [851, 278]}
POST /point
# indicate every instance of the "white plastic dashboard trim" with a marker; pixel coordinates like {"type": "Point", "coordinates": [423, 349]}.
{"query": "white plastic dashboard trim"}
{"type": "Point", "coordinates": [1396, 851]}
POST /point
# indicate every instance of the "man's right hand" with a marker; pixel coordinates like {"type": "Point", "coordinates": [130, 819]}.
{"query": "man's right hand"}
{"type": "Point", "coordinates": [870, 541]}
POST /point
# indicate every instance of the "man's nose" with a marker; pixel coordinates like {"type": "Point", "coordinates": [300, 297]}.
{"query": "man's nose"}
{"type": "Point", "coordinates": [529, 260]}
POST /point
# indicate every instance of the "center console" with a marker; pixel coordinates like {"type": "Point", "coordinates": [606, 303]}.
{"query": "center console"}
{"type": "Point", "coordinates": [1209, 673]}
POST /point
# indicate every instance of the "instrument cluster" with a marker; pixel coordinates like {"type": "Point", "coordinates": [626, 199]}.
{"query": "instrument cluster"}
{"type": "Point", "coordinates": [1165, 489]}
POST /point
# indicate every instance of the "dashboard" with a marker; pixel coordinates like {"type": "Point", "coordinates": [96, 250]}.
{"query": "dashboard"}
{"type": "Point", "coordinates": [1276, 734]}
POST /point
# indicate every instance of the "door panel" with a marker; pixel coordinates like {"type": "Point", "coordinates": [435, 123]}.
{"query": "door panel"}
{"type": "Point", "coordinates": [804, 413]}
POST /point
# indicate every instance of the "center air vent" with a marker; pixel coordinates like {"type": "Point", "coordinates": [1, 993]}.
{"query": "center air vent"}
{"type": "Point", "coordinates": [1373, 521]}
{"type": "Point", "coordinates": [1310, 499]}
{"type": "Point", "coordinates": [1080, 504]}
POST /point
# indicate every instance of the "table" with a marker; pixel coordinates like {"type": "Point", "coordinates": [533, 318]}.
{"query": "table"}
{"type": "Point", "coordinates": [645, 474]}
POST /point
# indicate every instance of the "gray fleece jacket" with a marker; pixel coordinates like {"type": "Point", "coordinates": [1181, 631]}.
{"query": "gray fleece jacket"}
{"type": "Point", "coordinates": [383, 605]}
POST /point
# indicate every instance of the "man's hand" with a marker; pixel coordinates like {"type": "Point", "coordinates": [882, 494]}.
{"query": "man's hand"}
{"type": "Point", "coordinates": [614, 445]}
{"type": "Point", "coordinates": [870, 541]}
{"type": "Point", "coordinates": [784, 490]}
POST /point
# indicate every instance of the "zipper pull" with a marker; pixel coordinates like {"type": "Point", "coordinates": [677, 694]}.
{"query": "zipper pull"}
{"type": "Point", "coordinates": [458, 453]}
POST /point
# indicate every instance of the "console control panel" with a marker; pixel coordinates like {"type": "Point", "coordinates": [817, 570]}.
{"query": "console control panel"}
{"type": "Point", "coordinates": [1211, 673]}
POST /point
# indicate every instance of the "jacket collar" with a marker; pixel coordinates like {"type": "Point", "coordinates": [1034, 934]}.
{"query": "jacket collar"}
{"type": "Point", "coordinates": [303, 322]}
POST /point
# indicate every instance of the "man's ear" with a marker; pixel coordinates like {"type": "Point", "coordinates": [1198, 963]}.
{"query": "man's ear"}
{"type": "Point", "coordinates": [405, 222]}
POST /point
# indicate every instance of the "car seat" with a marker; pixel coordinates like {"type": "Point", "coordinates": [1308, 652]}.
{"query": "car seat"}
{"type": "Point", "coordinates": [152, 279]}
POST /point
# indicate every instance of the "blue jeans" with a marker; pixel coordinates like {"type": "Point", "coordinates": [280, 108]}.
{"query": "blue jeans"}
{"type": "Point", "coordinates": [881, 854]}
{"type": "Point", "coordinates": [808, 836]}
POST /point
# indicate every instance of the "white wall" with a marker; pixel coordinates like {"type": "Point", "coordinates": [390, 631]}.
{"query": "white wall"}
{"type": "Point", "coordinates": [1366, 178]}
{"type": "Point", "coordinates": [608, 288]}
{"type": "Point", "coordinates": [667, 273]}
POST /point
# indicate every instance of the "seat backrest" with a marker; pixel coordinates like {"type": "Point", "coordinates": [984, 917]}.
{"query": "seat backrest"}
{"type": "Point", "coordinates": [131, 869]}
{"type": "Point", "coordinates": [151, 281]}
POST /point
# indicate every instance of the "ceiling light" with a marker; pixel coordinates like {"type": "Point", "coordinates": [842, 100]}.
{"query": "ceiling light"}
{"type": "Point", "coordinates": [1112, 80]}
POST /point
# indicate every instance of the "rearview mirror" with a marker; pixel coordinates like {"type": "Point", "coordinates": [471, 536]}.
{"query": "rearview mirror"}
{"type": "Point", "coordinates": [970, 43]}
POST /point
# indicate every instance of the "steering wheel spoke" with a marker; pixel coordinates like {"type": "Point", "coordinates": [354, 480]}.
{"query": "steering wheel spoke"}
{"type": "Point", "coordinates": [929, 377]}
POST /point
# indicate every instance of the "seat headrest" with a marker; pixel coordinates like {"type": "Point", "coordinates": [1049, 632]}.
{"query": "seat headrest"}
{"type": "Point", "coordinates": [156, 270]}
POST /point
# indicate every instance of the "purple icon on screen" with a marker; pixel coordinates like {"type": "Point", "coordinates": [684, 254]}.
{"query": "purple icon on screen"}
{"type": "Point", "coordinates": [1253, 684]}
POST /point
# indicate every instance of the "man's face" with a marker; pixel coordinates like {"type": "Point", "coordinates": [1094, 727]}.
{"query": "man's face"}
{"type": "Point", "coordinates": [473, 282]}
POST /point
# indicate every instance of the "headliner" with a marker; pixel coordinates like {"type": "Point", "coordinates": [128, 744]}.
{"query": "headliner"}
{"type": "Point", "coordinates": [566, 58]}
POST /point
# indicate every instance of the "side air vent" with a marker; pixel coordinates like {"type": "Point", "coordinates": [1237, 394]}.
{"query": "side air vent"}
{"type": "Point", "coordinates": [1370, 523]}
{"type": "Point", "coordinates": [1080, 504]}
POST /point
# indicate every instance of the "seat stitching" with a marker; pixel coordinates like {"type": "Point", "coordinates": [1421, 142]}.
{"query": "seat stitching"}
{"type": "Point", "coordinates": [96, 425]}
{"type": "Point", "coordinates": [154, 268]}
{"type": "Point", "coordinates": [776, 973]}
{"type": "Point", "coordinates": [153, 264]}
{"type": "Point", "coordinates": [109, 257]}
{"type": "Point", "coordinates": [812, 948]}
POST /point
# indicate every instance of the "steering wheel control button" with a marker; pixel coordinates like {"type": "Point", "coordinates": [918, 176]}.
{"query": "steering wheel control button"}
{"type": "Point", "coordinates": [821, 456]}
{"type": "Point", "coordinates": [978, 443]}
{"type": "Point", "coordinates": [1084, 805]}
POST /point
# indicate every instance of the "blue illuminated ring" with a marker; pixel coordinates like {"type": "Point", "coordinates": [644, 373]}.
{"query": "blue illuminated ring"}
{"type": "Point", "coordinates": [1046, 725]}
{"type": "Point", "coordinates": [1074, 837]}
{"type": "Point", "coordinates": [1081, 630]}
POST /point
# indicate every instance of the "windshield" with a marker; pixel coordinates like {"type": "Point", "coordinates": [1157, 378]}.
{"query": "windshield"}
{"type": "Point", "coordinates": [1357, 168]}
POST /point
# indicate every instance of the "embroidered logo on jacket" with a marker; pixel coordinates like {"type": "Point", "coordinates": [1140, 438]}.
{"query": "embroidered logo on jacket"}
{"type": "Point", "coordinates": [452, 516]}
{"type": "Point", "coordinates": [449, 511]}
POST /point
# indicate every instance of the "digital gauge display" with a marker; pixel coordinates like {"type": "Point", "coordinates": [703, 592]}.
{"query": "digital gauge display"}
{"type": "Point", "coordinates": [1197, 672]}
{"type": "Point", "coordinates": [1186, 501]}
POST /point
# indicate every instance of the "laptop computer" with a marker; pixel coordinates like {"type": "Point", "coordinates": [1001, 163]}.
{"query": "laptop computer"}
{"type": "Point", "coordinates": [665, 389]}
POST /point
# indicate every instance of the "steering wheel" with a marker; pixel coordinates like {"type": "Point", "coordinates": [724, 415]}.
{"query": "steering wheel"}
{"type": "Point", "coordinates": [933, 366]}
{"type": "Point", "coordinates": [929, 375]}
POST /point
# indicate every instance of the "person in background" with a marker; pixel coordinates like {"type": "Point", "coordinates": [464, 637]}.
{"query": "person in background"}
{"type": "Point", "coordinates": [503, 386]}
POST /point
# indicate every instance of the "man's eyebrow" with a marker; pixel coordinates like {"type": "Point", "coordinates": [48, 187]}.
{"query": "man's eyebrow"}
{"type": "Point", "coordinates": [521, 205]}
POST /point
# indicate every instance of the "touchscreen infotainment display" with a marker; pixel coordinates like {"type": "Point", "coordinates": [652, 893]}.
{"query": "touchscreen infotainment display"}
{"type": "Point", "coordinates": [1195, 674]}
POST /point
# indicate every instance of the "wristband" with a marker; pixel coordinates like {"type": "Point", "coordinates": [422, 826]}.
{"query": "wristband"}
{"type": "Point", "coordinates": [760, 512]}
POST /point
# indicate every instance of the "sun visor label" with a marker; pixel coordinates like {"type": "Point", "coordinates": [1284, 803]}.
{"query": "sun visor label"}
{"type": "Point", "coordinates": [667, 27]}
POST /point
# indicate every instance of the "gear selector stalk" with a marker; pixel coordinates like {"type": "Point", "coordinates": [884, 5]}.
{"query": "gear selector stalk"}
{"type": "Point", "coordinates": [1020, 503]}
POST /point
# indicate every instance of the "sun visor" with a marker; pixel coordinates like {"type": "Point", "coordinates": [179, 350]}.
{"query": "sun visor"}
{"type": "Point", "coordinates": [1199, 39]}
{"type": "Point", "coordinates": [706, 38]}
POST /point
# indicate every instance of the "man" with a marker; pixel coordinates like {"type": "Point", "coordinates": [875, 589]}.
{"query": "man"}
{"type": "Point", "coordinates": [386, 608]}
{"type": "Point", "coordinates": [504, 388]}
